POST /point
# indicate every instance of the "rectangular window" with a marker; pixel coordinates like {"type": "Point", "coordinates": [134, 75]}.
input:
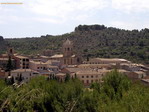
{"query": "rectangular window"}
{"type": "Point", "coordinates": [87, 76]}
{"type": "Point", "coordinates": [82, 76]}
{"type": "Point", "coordinates": [87, 81]}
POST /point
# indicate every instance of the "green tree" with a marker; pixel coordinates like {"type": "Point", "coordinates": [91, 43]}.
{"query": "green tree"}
{"type": "Point", "coordinates": [67, 78]}
{"type": "Point", "coordinates": [115, 84]}
{"type": "Point", "coordinates": [9, 66]}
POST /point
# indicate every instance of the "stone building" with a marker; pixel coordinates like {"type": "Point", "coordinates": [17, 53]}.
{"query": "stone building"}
{"type": "Point", "coordinates": [25, 74]}
{"type": "Point", "coordinates": [22, 62]}
{"type": "Point", "coordinates": [67, 57]}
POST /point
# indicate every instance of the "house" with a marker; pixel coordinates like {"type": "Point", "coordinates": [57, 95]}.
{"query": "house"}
{"type": "Point", "coordinates": [61, 77]}
{"type": "Point", "coordinates": [22, 62]}
{"type": "Point", "coordinates": [23, 74]}
{"type": "Point", "coordinates": [116, 61]}
{"type": "Point", "coordinates": [44, 68]}
{"type": "Point", "coordinates": [107, 66]}
{"type": "Point", "coordinates": [90, 76]}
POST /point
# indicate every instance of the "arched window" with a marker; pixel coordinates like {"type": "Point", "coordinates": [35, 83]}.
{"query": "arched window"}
{"type": "Point", "coordinates": [71, 61]}
{"type": "Point", "coordinates": [78, 60]}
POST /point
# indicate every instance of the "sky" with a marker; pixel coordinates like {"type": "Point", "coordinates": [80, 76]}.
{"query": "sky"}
{"type": "Point", "coordinates": [55, 17]}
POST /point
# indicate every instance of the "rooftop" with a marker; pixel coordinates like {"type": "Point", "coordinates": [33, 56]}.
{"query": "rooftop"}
{"type": "Point", "coordinates": [21, 57]}
{"type": "Point", "coordinates": [38, 62]}
{"type": "Point", "coordinates": [51, 61]}
{"type": "Point", "coordinates": [44, 57]}
{"type": "Point", "coordinates": [57, 56]}
{"type": "Point", "coordinates": [67, 42]}
{"type": "Point", "coordinates": [5, 59]}
{"type": "Point", "coordinates": [94, 65]}
{"type": "Point", "coordinates": [93, 71]}
{"type": "Point", "coordinates": [60, 74]}
{"type": "Point", "coordinates": [109, 59]}
{"type": "Point", "coordinates": [22, 70]}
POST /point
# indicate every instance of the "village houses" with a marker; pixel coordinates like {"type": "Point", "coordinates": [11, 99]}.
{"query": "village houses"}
{"type": "Point", "coordinates": [88, 71]}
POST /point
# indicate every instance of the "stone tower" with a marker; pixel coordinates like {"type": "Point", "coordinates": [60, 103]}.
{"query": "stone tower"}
{"type": "Point", "coordinates": [10, 52]}
{"type": "Point", "coordinates": [67, 48]}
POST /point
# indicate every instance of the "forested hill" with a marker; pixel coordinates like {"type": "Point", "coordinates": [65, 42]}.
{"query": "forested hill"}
{"type": "Point", "coordinates": [2, 44]}
{"type": "Point", "coordinates": [93, 41]}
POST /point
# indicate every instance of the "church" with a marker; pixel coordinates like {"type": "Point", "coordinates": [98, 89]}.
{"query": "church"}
{"type": "Point", "coordinates": [67, 57]}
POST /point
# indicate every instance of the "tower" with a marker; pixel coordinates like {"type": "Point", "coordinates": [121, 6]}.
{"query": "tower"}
{"type": "Point", "coordinates": [10, 52]}
{"type": "Point", "coordinates": [67, 48]}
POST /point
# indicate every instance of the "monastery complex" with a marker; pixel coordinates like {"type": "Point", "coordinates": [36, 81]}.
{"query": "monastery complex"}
{"type": "Point", "coordinates": [59, 65]}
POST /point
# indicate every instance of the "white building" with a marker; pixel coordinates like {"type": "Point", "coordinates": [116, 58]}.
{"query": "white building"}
{"type": "Point", "coordinates": [25, 74]}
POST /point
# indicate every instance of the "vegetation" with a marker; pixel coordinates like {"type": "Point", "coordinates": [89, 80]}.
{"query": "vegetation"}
{"type": "Point", "coordinates": [115, 94]}
{"type": "Point", "coordinates": [91, 41]}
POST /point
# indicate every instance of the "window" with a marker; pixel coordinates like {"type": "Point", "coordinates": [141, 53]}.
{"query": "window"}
{"type": "Point", "coordinates": [87, 81]}
{"type": "Point", "coordinates": [11, 51]}
{"type": "Point", "coordinates": [71, 61]}
{"type": "Point", "coordinates": [92, 76]}
{"type": "Point", "coordinates": [82, 76]}
{"type": "Point", "coordinates": [82, 81]}
{"type": "Point", "coordinates": [87, 76]}
{"type": "Point", "coordinates": [27, 59]}
{"type": "Point", "coordinates": [64, 61]}
{"type": "Point", "coordinates": [35, 73]}
{"type": "Point", "coordinates": [78, 60]}
{"type": "Point", "coordinates": [91, 81]}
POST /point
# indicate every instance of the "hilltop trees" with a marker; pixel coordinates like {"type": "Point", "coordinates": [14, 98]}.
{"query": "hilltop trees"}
{"type": "Point", "coordinates": [91, 41]}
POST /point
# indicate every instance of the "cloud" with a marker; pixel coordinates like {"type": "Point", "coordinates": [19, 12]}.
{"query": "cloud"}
{"type": "Point", "coordinates": [47, 20]}
{"type": "Point", "coordinates": [64, 10]}
{"type": "Point", "coordinates": [130, 6]}
{"type": "Point", "coordinates": [123, 25]}
{"type": "Point", "coordinates": [129, 24]}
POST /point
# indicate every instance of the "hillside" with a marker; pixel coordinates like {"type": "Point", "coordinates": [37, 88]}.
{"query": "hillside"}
{"type": "Point", "coordinates": [92, 41]}
{"type": "Point", "coordinates": [2, 45]}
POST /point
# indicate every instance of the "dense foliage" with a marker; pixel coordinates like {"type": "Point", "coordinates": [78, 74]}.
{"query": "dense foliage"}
{"type": "Point", "coordinates": [115, 94]}
{"type": "Point", "coordinates": [2, 45]}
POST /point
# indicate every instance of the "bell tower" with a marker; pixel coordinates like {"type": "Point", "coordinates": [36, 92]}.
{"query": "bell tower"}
{"type": "Point", "coordinates": [10, 51]}
{"type": "Point", "coordinates": [67, 48]}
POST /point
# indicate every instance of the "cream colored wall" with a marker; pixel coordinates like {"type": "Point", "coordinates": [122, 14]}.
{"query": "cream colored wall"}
{"type": "Point", "coordinates": [25, 75]}
{"type": "Point", "coordinates": [35, 66]}
{"type": "Point", "coordinates": [90, 77]}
